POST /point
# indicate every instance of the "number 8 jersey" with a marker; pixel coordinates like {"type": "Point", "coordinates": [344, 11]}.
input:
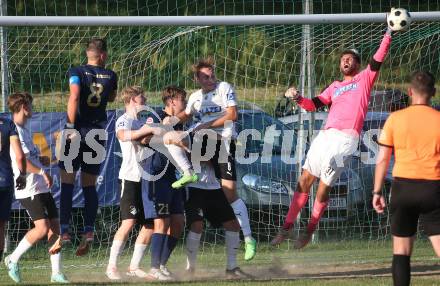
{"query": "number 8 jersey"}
{"type": "Point", "coordinates": [96, 85]}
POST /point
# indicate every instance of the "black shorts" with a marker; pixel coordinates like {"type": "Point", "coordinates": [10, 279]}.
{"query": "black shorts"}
{"type": "Point", "coordinates": [223, 160]}
{"type": "Point", "coordinates": [411, 200]}
{"type": "Point", "coordinates": [131, 205]}
{"type": "Point", "coordinates": [78, 161]}
{"type": "Point", "coordinates": [41, 206]}
{"type": "Point", "coordinates": [6, 194]}
{"type": "Point", "coordinates": [209, 204]}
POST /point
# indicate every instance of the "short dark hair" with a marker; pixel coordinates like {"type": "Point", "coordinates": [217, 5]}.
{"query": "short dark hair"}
{"type": "Point", "coordinates": [172, 92]}
{"type": "Point", "coordinates": [97, 45]}
{"type": "Point", "coordinates": [352, 52]}
{"type": "Point", "coordinates": [423, 82]}
{"type": "Point", "coordinates": [19, 99]}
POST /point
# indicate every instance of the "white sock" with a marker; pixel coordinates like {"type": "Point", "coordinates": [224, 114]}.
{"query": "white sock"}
{"type": "Point", "coordinates": [115, 250]}
{"type": "Point", "coordinates": [55, 261]}
{"type": "Point", "coordinates": [241, 214]}
{"type": "Point", "coordinates": [138, 254]}
{"type": "Point", "coordinates": [192, 248]}
{"type": "Point", "coordinates": [22, 247]}
{"type": "Point", "coordinates": [180, 157]}
{"type": "Point", "coordinates": [232, 243]}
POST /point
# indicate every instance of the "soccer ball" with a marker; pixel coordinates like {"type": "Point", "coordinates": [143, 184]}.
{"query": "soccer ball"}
{"type": "Point", "coordinates": [398, 19]}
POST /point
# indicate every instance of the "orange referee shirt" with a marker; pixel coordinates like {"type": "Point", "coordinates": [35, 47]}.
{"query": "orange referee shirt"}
{"type": "Point", "coordinates": [414, 133]}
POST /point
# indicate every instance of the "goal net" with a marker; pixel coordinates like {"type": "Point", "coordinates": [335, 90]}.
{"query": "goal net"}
{"type": "Point", "coordinates": [261, 62]}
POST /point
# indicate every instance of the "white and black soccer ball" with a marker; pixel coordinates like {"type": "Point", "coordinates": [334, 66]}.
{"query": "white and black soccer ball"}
{"type": "Point", "coordinates": [398, 19]}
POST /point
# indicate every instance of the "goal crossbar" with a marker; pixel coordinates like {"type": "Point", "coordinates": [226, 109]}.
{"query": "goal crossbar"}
{"type": "Point", "coordinates": [207, 20]}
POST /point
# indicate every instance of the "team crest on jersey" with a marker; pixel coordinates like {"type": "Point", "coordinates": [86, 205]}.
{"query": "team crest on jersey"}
{"type": "Point", "coordinates": [150, 120]}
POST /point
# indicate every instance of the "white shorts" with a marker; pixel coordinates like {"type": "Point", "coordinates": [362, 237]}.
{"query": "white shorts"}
{"type": "Point", "coordinates": [329, 153]}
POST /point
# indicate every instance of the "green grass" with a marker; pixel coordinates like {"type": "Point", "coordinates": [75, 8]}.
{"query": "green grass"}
{"type": "Point", "coordinates": [326, 263]}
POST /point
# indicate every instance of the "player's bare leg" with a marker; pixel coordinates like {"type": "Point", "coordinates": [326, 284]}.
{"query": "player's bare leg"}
{"type": "Point", "coordinates": [67, 185]}
{"type": "Point", "coordinates": [90, 210]}
{"type": "Point", "coordinates": [53, 237]}
{"type": "Point", "coordinates": [299, 200]}
{"type": "Point", "coordinates": [435, 241]}
{"type": "Point", "coordinates": [319, 206]}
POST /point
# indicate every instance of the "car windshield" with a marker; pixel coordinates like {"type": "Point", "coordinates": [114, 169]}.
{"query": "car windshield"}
{"type": "Point", "coordinates": [264, 123]}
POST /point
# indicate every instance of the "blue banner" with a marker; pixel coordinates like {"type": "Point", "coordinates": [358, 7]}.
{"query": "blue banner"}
{"type": "Point", "coordinates": [46, 126]}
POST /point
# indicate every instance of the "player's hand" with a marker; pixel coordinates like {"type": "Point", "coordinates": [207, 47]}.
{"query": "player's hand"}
{"type": "Point", "coordinates": [292, 93]}
{"type": "Point", "coordinates": [44, 160]}
{"type": "Point", "coordinates": [48, 180]}
{"type": "Point", "coordinates": [170, 120]}
{"type": "Point", "coordinates": [379, 203]}
{"type": "Point", "coordinates": [20, 182]}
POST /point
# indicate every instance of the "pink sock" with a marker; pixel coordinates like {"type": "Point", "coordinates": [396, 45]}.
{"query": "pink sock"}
{"type": "Point", "coordinates": [318, 211]}
{"type": "Point", "coordinates": [299, 200]}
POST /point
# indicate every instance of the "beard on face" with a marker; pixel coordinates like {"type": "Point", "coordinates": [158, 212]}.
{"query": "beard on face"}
{"type": "Point", "coordinates": [349, 70]}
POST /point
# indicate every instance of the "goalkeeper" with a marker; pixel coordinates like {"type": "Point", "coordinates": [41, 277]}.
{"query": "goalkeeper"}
{"type": "Point", "coordinates": [336, 143]}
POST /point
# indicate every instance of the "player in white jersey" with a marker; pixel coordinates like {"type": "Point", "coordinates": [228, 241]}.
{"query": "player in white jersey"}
{"type": "Point", "coordinates": [216, 107]}
{"type": "Point", "coordinates": [36, 197]}
{"type": "Point", "coordinates": [130, 131]}
{"type": "Point", "coordinates": [206, 200]}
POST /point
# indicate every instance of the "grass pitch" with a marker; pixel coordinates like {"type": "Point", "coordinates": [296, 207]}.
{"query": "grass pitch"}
{"type": "Point", "coordinates": [327, 263]}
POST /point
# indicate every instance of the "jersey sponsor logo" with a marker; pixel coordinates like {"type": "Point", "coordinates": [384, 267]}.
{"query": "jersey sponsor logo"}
{"type": "Point", "coordinates": [211, 109]}
{"type": "Point", "coordinates": [98, 75]}
{"type": "Point", "coordinates": [344, 89]}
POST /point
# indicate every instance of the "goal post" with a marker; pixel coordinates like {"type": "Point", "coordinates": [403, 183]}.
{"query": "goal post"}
{"type": "Point", "coordinates": [299, 19]}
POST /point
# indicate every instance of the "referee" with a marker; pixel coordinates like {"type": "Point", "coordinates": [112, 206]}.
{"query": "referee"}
{"type": "Point", "coordinates": [414, 134]}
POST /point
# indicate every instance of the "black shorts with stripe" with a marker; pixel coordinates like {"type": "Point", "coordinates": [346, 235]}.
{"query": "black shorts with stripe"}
{"type": "Point", "coordinates": [209, 204]}
{"type": "Point", "coordinates": [131, 205]}
{"type": "Point", "coordinates": [223, 159]}
{"type": "Point", "coordinates": [412, 200]}
{"type": "Point", "coordinates": [40, 206]}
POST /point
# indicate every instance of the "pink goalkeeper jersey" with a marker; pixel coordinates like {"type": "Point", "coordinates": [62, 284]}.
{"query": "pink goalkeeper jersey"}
{"type": "Point", "coordinates": [349, 99]}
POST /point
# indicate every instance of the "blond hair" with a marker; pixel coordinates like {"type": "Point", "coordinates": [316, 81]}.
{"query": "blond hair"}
{"type": "Point", "coordinates": [129, 92]}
